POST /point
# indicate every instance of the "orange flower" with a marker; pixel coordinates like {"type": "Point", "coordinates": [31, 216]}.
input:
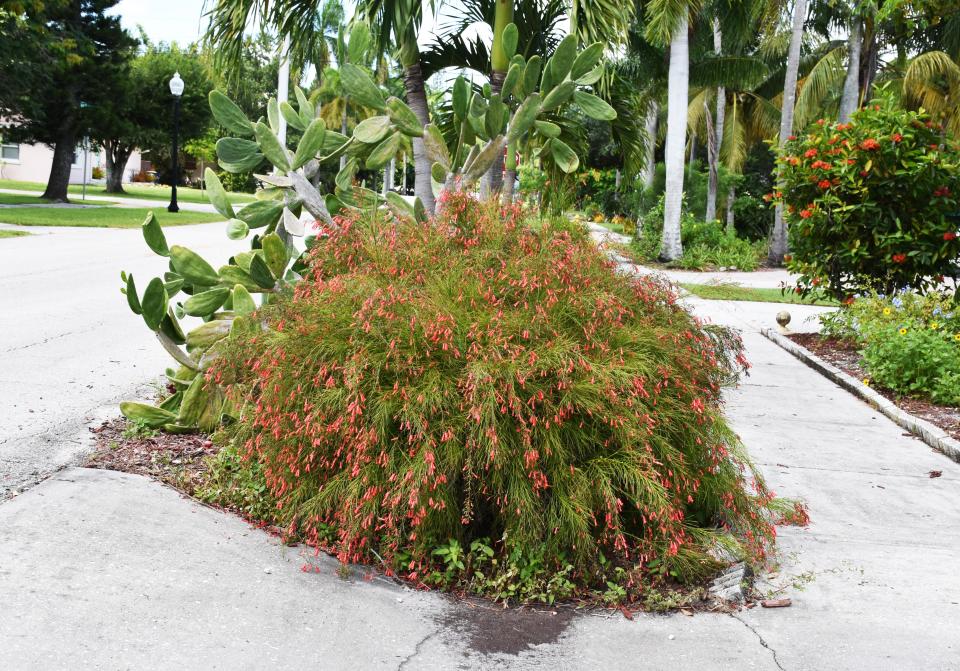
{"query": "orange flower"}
{"type": "Point", "coordinates": [896, 137]}
{"type": "Point", "coordinates": [898, 258]}
{"type": "Point", "coordinates": [869, 144]}
{"type": "Point", "coordinates": [824, 184]}
{"type": "Point", "coordinates": [810, 153]}
{"type": "Point", "coordinates": [805, 214]}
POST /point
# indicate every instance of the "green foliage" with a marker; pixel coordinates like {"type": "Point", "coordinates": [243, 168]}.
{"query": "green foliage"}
{"type": "Point", "coordinates": [872, 204]}
{"type": "Point", "coordinates": [910, 342]}
{"type": "Point", "coordinates": [705, 245]}
{"type": "Point", "coordinates": [456, 380]}
{"type": "Point", "coordinates": [234, 483]}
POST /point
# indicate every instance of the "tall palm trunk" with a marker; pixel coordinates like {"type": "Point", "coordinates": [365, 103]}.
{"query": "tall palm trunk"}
{"type": "Point", "coordinates": [849, 100]}
{"type": "Point", "coordinates": [343, 129]}
{"type": "Point", "coordinates": [417, 100]}
{"type": "Point", "coordinates": [499, 63]}
{"type": "Point", "coordinates": [715, 135]}
{"type": "Point", "coordinates": [649, 150]}
{"type": "Point", "coordinates": [731, 196]}
{"type": "Point", "coordinates": [677, 92]}
{"type": "Point", "coordinates": [778, 237]}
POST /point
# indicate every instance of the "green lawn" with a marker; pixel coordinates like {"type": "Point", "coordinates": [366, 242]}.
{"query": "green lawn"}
{"type": "Point", "coordinates": [14, 199]}
{"type": "Point", "coordinates": [147, 191]}
{"type": "Point", "coordinates": [4, 233]}
{"type": "Point", "coordinates": [732, 292]}
{"type": "Point", "coordinates": [102, 217]}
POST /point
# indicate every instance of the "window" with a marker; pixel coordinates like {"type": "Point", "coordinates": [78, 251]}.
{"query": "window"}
{"type": "Point", "coordinates": [10, 152]}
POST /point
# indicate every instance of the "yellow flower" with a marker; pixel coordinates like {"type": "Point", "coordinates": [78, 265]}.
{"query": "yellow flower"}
{"type": "Point", "coordinates": [903, 331]}
{"type": "Point", "coordinates": [957, 337]}
{"type": "Point", "coordinates": [887, 311]}
{"type": "Point", "coordinates": [866, 381]}
{"type": "Point", "coordinates": [934, 325]}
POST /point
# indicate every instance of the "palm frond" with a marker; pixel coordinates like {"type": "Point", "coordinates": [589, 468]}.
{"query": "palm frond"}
{"type": "Point", "coordinates": [820, 88]}
{"type": "Point", "coordinates": [739, 72]}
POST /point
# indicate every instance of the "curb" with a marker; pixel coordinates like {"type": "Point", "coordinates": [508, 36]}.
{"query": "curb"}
{"type": "Point", "coordinates": [932, 435]}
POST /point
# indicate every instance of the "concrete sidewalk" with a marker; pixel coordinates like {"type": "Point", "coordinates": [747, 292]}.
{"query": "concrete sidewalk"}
{"type": "Point", "coordinates": [106, 570]}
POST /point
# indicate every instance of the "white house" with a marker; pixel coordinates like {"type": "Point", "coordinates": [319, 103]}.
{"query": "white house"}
{"type": "Point", "coordinates": [31, 163]}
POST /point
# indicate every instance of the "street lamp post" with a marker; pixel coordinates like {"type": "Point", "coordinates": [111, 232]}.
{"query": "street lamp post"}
{"type": "Point", "coordinates": [176, 88]}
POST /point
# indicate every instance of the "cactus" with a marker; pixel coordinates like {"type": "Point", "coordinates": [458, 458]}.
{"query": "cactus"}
{"type": "Point", "coordinates": [485, 124]}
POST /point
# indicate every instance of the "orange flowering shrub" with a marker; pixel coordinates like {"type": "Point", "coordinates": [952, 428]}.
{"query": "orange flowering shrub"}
{"type": "Point", "coordinates": [487, 378]}
{"type": "Point", "coordinates": [872, 204]}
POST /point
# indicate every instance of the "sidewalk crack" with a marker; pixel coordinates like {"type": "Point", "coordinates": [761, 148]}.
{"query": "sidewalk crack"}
{"type": "Point", "coordinates": [416, 650]}
{"type": "Point", "coordinates": [759, 638]}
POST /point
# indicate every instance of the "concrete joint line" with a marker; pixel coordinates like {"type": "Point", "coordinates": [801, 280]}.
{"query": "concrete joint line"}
{"type": "Point", "coordinates": [932, 435]}
{"type": "Point", "coordinates": [762, 641]}
{"type": "Point", "coordinates": [416, 650]}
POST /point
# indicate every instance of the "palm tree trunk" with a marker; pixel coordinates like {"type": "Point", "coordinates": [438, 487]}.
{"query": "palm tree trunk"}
{"type": "Point", "coordinates": [510, 174]}
{"type": "Point", "coordinates": [778, 237]}
{"type": "Point", "coordinates": [417, 100]}
{"type": "Point", "coordinates": [715, 135]}
{"type": "Point", "coordinates": [851, 84]}
{"type": "Point", "coordinates": [650, 127]}
{"type": "Point", "coordinates": [677, 92]}
{"type": "Point", "coordinates": [731, 196]}
{"type": "Point", "coordinates": [343, 130]}
{"type": "Point", "coordinates": [502, 17]}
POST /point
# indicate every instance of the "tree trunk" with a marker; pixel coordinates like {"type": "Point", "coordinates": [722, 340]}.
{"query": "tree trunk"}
{"type": "Point", "coordinates": [678, 89]}
{"type": "Point", "coordinates": [343, 131]}
{"type": "Point", "coordinates": [731, 196]}
{"type": "Point", "coordinates": [388, 176]}
{"type": "Point", "coordinates": [715, 135]}
{"type": "Point", "coordinates": [63, 155]}
{"type": "Point", "coordinates": [117, 156]}
{"type": "Point", "coordinates": [495, 173]}
{"type": "Point", "coordinates": [850, 99]}
{"type": "Point", "coordinates": [417, 100]}
{"type": "Point", "coordinates": [649, 162]}
{"type": "Point", "coordinates": [868, 67]}
{"type": "Point", "coordinates": [778, 237]}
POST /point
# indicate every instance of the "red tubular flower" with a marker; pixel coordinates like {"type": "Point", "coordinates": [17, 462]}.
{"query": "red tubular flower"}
{"type": "Point", "coordinates": [898, 258]}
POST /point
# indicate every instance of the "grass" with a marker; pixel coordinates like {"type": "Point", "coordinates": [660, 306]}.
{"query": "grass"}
{"type": "Point", "coordinates": [4, 233]}
{"type": "Point", "coordinates": [734, 292]}
{"type": "Point", "coordinates": [146, 191]}
{"type": "Point", "coordinates": [100, 217]}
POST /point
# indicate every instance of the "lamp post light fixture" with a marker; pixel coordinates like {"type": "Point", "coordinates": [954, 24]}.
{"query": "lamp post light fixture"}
{"type": "Point", "coordinates": [176, 88]}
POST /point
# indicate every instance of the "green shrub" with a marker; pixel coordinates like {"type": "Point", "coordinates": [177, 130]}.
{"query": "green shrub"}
{"type": "Point", "coordinates": [233, 483]}
{"type": "Point", "coordinates": [915, 360]}
{"type": "Point", "coordinates": [910, 342]}
{"type": "Point", "coordinates": [478, 378]}
{"type": "Point", "coordinates": [872, 204]}
{"type": "Point", "coordinates": [705, 245]}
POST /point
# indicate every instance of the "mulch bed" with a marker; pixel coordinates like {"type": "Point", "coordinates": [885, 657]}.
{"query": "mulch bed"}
{"type": "Point", "coordinates": [847, 358]}
{"type": "Point", "coordinates": [175, 459]}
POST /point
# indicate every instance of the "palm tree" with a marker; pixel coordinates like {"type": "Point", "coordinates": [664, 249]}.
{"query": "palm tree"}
{"type": "Point", "coordinates": [932, 82]}
{"type": "Point", "coordinates": [778, 237]}
{"type": "Point", "coordinates": [668, 23]}
{"type": "Point", "coordinates": [397, 23]}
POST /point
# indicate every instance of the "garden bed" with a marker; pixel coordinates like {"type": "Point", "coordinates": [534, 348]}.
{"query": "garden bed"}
{"type": "Point", "coordinates": [847, 358]}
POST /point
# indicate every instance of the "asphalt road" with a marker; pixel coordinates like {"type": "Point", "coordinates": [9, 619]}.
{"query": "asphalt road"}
{"type": "Point", "coordinates": [69, 345]}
